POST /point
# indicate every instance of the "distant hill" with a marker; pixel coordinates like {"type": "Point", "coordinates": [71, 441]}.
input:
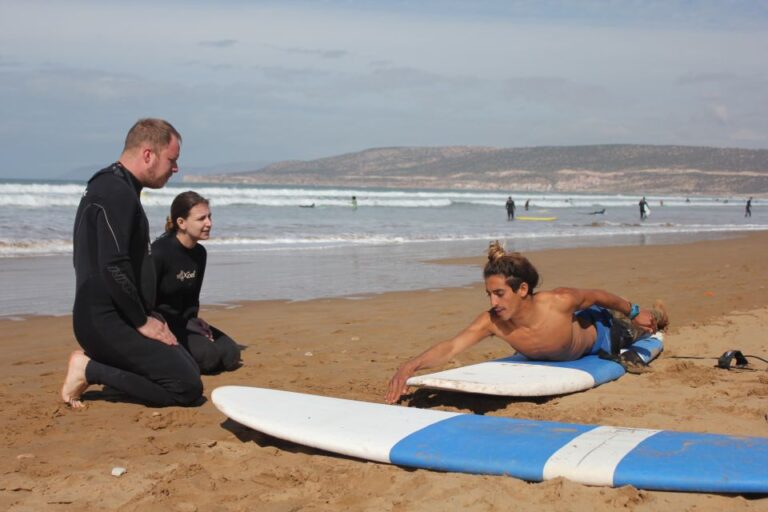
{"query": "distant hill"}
{"type": "Point", "coordinates": [85, 172]}
{"type": "Point", "coordinates": [617, 168]}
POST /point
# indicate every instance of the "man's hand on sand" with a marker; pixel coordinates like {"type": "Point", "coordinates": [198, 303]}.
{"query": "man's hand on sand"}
{"type": "Point", "coordinates": [397, 386]}
{"type": "Point", "coordinates": [158, 330]}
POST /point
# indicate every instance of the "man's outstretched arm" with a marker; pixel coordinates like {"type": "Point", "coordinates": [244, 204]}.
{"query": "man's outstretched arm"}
{"type": "Point", "coordinates": [583, 298]}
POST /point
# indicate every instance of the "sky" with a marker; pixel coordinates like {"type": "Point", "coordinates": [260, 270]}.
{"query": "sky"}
{"type": "Point", "coordinates": [264, 81]}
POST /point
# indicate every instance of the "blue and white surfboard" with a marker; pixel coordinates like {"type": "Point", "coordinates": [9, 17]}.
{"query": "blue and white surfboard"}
{"type": "Point", "coordinates": [518, 376]}
{"type": "Point", "coordinates": [526, 449]}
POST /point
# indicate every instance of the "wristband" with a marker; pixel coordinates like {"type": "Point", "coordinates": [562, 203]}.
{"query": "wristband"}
{"type": "Point", "coordinates": [633, 312]}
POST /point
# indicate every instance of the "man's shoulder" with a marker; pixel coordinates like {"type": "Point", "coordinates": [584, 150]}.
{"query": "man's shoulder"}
{"type": "Point", "coordinates": [558, 296]}
{"type": "Point", "coordinates": [555, 292]}
{"type": "Point", "coordinates": [106, 180]}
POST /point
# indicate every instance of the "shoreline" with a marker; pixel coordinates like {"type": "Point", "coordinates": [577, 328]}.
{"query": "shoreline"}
{"type": "Point", "coordinates": [408, 267]}
{"type": "Point", "coordinates": [194, 459]}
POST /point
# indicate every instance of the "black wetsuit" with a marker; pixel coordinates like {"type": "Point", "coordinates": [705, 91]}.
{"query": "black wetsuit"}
{"type": "Point", "coordinates": [510, 209]}
{"type": "Point", "coordinates": [180, 273]}
{"type": "Point", "coordinates": [115, 293]}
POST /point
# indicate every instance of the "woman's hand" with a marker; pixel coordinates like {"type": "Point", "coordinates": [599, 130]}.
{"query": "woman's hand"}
{"type": "Point", "coordinates": [200, 326]}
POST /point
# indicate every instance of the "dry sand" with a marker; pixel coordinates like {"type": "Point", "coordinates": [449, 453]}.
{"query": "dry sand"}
{"type": "Point", "coordinates": [53, 458]}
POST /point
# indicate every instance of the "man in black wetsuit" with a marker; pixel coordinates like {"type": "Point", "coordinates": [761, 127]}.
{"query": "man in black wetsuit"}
{"type": "Point", "coordinates": [510, 208]}
{"type": "Point", "coordinates": [643, 208]}
{"type": "Point", "coordinates": [125, 345]}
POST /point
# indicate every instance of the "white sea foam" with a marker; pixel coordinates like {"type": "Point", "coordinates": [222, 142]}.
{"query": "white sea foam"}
{"type": "Point", "coordinates": [36, 218]}
{"type": "Point", "coordinates": [42, 195]}
{"type": "Point", "coordinates": [16, 248]}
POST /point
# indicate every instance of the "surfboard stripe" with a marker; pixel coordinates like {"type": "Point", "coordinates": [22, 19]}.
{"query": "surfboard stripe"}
{"type": "Point", "coordinates": [484, 444]}
{"type": "Point", "coordinates": [649, 348]}
{"type": "Point", "coordinates": [592, 457]}
{"type": "Point", "coordinates": [681, 461]}
{"type": "Point", "coordinates": [602, 371]}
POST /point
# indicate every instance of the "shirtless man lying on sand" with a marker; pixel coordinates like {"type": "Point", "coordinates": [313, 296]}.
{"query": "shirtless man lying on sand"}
{"type": "Point", "coordinates": [557, 325]}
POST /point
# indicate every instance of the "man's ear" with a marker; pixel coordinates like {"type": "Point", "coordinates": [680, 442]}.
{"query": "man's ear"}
{"type": "Point", "coordinates": [523, 290]}
{"type": "Point", "coordinates": [146, 155]}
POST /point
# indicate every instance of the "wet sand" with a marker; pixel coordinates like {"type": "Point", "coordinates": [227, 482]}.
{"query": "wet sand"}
{"type": "Point", "coordinates": [189, 459]}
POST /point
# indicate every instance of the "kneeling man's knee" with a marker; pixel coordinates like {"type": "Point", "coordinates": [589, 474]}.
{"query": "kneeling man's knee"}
{"type": "Point", "coordinates": [186, 390]}
{"type": "Point", "coordinates": [192, 391]}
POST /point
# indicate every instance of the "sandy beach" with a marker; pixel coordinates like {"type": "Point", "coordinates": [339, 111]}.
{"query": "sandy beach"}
{"type": "Point", "coordinates": [188, 459]}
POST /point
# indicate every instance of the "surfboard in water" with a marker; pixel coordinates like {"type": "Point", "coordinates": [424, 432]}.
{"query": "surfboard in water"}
{"type": "Point", "coordinates": [518, 376]}
{"type": "Point", "coordinates": [526, 449]}
{"type": "Point", "coordinates": [525, 217]}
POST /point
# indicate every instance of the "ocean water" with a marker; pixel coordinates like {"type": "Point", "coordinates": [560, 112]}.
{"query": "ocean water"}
{"type": "Point", "coordinates": [299, 243]}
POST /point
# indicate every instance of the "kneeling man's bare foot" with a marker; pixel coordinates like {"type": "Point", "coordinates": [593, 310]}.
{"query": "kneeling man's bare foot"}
{"type": "Point", "coordinates": [75, 383]}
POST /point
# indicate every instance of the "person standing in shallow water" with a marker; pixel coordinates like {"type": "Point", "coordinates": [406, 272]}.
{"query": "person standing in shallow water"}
{"type": "Point", "coordinates": [748, 208]}
{"type": "Point", "coordinates": [643, 208]}
{"type": "Point", "coordinates": [180, 264]}
{"type": "Point", "coordinates": [510, 208]}
{"type": "Point", "coordinates": [126, 344]}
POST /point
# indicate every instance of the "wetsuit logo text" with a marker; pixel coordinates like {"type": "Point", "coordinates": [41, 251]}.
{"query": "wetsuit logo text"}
{"type": "Point", "coordinates": [182, 275]}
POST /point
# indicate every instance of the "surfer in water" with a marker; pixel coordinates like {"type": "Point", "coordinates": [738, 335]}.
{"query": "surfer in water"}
{"type": "Point", "coordinates": [563, 324]}
{"type": "Point", "coordinates": [644, 209]}
{"type": "Point", "coordinates": [510, 205]}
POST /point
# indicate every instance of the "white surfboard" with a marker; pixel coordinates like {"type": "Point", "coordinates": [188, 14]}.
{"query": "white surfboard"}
{"type": "Point", "coordinates": [518, 376]}
{"type": "Point", "coordinates": [527, 449]}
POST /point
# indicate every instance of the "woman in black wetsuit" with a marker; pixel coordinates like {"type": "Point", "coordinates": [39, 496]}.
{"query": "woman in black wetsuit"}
{"type": "Point", "coordinates": [180, 266]}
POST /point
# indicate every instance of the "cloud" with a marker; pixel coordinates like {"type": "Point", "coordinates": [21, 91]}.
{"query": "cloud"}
{"type": "Point", "coordinates": [325, 54]}
{"type": "Point", "coordinates": [719, 112]}
{"type": "Point", "coordinates": [401, 78]}
{"type": "Point", "coordinates": [220, 43]}
{"type": "Point", "coordinates": [6, 62]}
{"type": "Point", "coordinates": [554, 90]}
{"type": "Point", "coordinates": [705, 78]}
{"type": "Point", "coordinates": [286, 74]}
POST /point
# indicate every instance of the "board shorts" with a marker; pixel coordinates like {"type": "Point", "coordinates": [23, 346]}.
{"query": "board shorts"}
{"type": "Point", "coordinates": [612, 333]}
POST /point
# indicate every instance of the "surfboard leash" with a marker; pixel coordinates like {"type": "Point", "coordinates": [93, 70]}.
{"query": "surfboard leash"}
{"type": "Point", "coordinates": [730, 360]}
{"type": "Point", "coordinates": [726, 361]}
